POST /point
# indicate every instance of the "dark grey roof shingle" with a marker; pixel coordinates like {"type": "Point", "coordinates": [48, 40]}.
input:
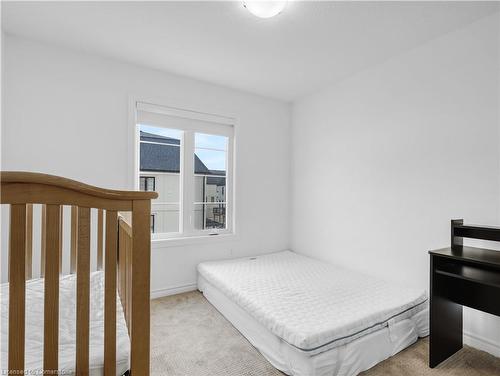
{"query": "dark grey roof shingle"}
{"type": "Point", "coordinates": [164, 156]}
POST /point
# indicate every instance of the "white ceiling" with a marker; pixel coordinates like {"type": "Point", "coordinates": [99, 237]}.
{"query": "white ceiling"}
{"type": "Point", "coordinates": [308, 46]}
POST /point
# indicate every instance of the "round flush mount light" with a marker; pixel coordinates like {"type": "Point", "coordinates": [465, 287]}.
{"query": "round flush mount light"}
{"type": "Point", "coordinates": [265, 9]}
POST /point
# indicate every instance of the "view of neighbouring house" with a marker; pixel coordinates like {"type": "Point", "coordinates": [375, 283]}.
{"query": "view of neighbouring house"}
{"type": "Point", "coordinates": [160, 172]}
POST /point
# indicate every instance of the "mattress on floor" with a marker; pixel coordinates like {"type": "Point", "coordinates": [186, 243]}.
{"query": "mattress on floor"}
{"type": "Point", "coordinates": [67, 326]}
{"type": "Point", "coordinates": [346, 360]}
{"type": "Point", "coordinates": [311, 305]}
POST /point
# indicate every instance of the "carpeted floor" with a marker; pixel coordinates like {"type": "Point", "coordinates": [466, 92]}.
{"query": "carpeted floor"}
{"type": "Point", "coordinates": [189, 337]}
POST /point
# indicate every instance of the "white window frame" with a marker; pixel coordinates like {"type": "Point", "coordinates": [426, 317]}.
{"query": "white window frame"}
{"type": "Point", "coordinates": [203, 123]}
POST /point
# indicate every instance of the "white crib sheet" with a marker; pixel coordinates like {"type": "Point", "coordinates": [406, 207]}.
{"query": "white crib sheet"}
{"type": "Point", "coordinates": [67, 327]}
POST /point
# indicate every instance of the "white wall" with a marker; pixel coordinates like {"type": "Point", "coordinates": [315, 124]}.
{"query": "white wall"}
{"type": "Point", "coordinates": [66, 113]}
{"type": "Point", "coordinates": [380, 161]}
{"type": "Point", "coordinates": [384, 159]}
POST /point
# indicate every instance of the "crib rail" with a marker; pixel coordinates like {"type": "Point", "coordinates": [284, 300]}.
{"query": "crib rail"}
{"type": "Point", "coordinates": [124, 256]}
{"type": "Point", "coordinates": [123, 252]}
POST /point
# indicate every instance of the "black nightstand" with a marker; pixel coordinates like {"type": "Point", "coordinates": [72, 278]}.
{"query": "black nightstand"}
{"type": "Point", "coordinates": [461, 276]}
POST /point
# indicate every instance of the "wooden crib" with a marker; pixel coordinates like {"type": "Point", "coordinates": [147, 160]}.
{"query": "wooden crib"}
{"type": "Point", "coordinates": [123, 252]}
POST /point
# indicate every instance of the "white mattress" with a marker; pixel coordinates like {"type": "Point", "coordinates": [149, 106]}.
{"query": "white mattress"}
{"type": "Point", "coordinates": [67, 326]}
{"type": "Point", "coordinates": [311, 305]}
{"type": "Point", "coordinates": [345, 360]}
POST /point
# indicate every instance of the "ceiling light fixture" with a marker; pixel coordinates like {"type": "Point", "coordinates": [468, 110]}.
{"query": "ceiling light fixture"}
{"type": "Point", "coordinates": [265, 9]}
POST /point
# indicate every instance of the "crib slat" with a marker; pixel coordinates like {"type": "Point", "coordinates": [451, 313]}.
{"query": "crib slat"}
{"type": "Point", "coordinates": [42, 248]}
{"type": "Point", "coordinates": [82, 292]}
{"type": "Point", "coordinates": [121, 270]}
{"type": "Point", "coordinates": [128, 271]}
{"type": "Point", "coordinates": [74, 238]}
{"type": "Point", "coordinates": [61, 214]}
{"type": "Point", "coordinates": [110, 293]}
{"type": "Point", "coordinates": [51, 303]}
{"type": "Point", "coordinates": [17, 293]}
{"type": "Point", "coordinates": [140, 315]}
{"type": "Point", "coordinates": [29, 241]}
{"type": "Point", "coordinates": [100, 228]}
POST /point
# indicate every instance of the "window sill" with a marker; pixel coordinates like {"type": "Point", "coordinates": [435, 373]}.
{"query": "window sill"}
{"type": "Point", "coordinates": [190, 240]}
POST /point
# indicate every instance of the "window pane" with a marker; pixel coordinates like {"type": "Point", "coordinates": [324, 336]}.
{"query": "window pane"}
{"type": "Point", "coordinates": [147, 183]}
{"type": "Point", "coordinates": [209, 216]}
{"type": "Point", "coordinates": [210, 141]}
{"type": "Point", "coordinates": [150, 184]}
{"type": "Point", "coordinates": [160, 158]}
{"type": "Point", "coordinates": [158, 152]}
{"type": "Point", "coordinates": [211, 162]}
{"type": "Point", "coordinates": [210, 166]}
{"type": "Point", "coordinates": [209, 188]}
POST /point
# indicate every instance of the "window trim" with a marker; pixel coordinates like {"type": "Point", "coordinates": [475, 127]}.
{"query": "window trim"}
{"type": "Point", "coordinates": [223, 126]}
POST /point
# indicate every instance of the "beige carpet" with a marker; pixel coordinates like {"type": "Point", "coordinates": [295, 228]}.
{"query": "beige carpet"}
{"type": "Point", "coordinates": [190, 338]}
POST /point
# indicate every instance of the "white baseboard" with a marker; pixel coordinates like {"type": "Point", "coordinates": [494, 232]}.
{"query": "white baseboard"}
{"type": "Point", "coordinates": [159, 293]}
{"type": "Point", "coordinates": [482, 343]}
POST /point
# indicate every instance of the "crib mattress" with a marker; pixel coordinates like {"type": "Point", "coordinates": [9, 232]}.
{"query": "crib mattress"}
{"type": "Point", "coordinates": [67, 327]}
{"type": "Point", "coordinates": [311, 305]}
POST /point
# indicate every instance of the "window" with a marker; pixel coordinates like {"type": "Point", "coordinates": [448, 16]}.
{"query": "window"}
{"type": "Point", "coordinates": [160, 155]}
{"type": "Point", "coordinates": [152, 223]}
{"type": "Point", "coordinates": [147, 183]}
{"type": "Point", "coordinates": [186, 157]}
{"type": "Point", "coordinates": [210, 153]}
